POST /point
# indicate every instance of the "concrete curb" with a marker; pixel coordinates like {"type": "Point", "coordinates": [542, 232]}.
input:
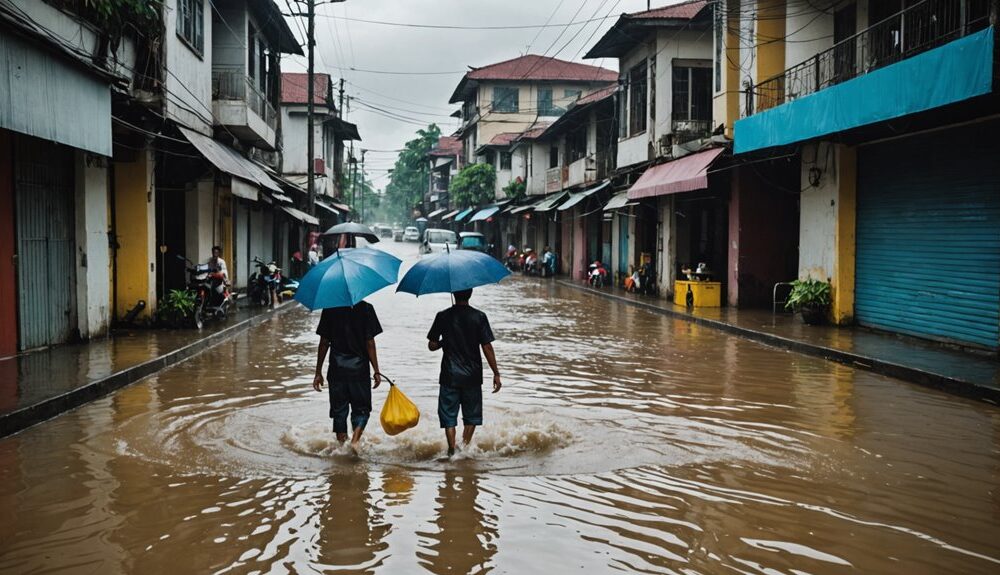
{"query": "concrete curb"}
{"type": "Point", "coordinates": [26, 417]}
{"type": "Point", "coordinates": [858, 361]}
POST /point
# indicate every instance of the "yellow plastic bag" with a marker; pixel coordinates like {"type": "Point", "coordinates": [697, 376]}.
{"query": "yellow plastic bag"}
{"type": "Point", "coordinates": [398, 412]}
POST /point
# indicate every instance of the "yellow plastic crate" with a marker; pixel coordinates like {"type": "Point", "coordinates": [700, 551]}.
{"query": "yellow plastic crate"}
{"type": "Point", "coordinates": [706, 294]}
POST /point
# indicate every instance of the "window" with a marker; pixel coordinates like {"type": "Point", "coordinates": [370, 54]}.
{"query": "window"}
{"type": "Point", "coordinates": [505, 99]}
{"type": "Point", "coordinates": [504, 160]}
{"type": "Point", "coordinates": [572, 94]}
{"type": "Point", "coordinates": [720, 22]}
{"type": "Point", "coordinates": [491, 158]}
{"type": "Point", "coordinates": [545, 107]}
{"type": "Point", "coordinates": [576, 144]}
{"type": "Point", "coordinates": [620, 101]}
{"type": "Point", "coordinates": [691, 94]}
{"type": "Point", "coordinates": [554, 157]}
{"type": "Point", "coordinates": [190, 22]}
{"type": "Point", "coordinates": [252, 49]}
{"type": "Point", "coordinates": [637, 99]}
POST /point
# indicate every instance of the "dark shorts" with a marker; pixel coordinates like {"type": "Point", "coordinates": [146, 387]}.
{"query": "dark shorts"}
{"type": "Point", "coordinates": [469, 398]}
{"type": "Point", "coordinates": [354, 395]}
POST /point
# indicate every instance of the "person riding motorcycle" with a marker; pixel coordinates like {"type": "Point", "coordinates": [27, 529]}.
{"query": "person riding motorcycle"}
{"type": "Point", "coordinates": [598, 274]}
{"type": "Point", "coordinates": [218, 272]}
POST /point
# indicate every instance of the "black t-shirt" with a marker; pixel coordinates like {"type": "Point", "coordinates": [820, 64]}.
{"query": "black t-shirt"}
{"type": "Point", "coordinates": [348, 329]}
{"type": "Point", "coordinates": [461, 329]}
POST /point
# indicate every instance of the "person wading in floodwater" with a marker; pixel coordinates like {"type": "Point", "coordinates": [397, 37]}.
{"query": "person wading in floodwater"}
{"type": "Point", "coordinates": [461, 331]}
{"type": "Point", "coordinates": [349, 334]}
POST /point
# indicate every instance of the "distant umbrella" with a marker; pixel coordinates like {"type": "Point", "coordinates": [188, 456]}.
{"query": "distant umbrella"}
{"type": "Point", "coordinates": [353, 229]}
{"type": "Point", "coordinates": [347, 277]}
{"type": "Point", "coordinates": [450, 272]}
{"type": "Point", "coordinates": [420, 220]}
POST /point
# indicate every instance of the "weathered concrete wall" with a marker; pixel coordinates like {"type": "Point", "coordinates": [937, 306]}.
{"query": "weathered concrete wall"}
{"type": "Point", "coordinates": [690, 46]}
{"type": "Point", "coordinates": [189, 83]}
{"type": "Point", "coordinates": [93, 260]}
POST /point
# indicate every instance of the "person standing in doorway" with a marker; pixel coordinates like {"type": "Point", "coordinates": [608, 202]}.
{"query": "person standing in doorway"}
{"type": "Point", "coordinates": [348, 333]}
{"type": "Point", "coordinates": [462, 331]}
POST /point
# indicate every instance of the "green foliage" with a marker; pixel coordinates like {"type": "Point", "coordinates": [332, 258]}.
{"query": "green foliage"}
{"type": "Point", "coordinates": [409, 178]}
{"type": "Point", "coordinates": [808, 293]}
{"type": "Point", "coordinates": [474, 185]}
{"type": "Point", "coordinates": [116, 15]}
{"type": "Point", "coordinates": [178, 305]}
{"type": "Point", "coordinates": [516, 189]}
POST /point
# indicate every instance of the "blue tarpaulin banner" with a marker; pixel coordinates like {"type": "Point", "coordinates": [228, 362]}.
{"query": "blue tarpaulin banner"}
{"type": "Point", "coordinates": [957, 71]}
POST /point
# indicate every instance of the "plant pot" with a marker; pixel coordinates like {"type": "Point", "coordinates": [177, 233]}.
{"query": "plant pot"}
{"type": "Point", "coordinates": [813, 315]}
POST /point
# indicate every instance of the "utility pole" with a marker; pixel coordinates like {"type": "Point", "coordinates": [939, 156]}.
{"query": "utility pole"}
{"type": "Point", "coordinates": [363, 185]}
{"type": "Point", "coordinates": [340, 108]}
{"type": "Point", "coordinates": [310, 135]}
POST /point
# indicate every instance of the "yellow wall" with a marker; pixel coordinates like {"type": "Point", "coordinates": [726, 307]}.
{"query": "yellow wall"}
{"type": "Point", "coordinates": [843, 284]}
{"type": "Point", "coordinates": [770, 38]}
{"type": "Point", "coordinates": [135, 223]}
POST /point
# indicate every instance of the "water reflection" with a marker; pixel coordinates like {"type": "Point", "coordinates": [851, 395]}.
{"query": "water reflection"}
{"type": "Point", "coordinates": [351, 530]}
{"type": "Point", "coordinates": [465, 533]}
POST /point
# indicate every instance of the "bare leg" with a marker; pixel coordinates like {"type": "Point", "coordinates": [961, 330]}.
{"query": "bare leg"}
{"type": "Point", "coordinates": [356, 438]}
{"type": "Point", "coordinates": [449, 434]}
{"type": "Point", "coordinates": [341, 437]}
{"type": "Point", "coordinates": [467, 432]}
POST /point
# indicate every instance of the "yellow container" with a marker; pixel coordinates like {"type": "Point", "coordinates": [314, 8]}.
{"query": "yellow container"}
{"type": "Point", "coordinates": [705, 294]}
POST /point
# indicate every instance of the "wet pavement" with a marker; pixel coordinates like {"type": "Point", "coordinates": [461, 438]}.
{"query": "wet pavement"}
{"type": "Point", "coordinates": [623, 441]}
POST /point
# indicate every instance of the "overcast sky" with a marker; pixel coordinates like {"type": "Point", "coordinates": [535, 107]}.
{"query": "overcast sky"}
{"type": "Point", "coordinates": [422, 99]}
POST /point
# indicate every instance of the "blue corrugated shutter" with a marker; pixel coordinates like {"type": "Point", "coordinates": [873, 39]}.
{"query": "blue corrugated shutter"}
{"type": "Point", "coordinates": [928, 236]}
{"type": "Point", "coordinates": [44, 196]}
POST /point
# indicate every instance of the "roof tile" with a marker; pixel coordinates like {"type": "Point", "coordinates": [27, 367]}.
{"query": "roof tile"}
{"type": "Point", "coordinates": [535, 67]}
{"type": "Point", "coordinates": [294, 88]}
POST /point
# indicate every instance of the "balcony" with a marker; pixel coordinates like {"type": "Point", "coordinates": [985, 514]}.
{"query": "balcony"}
{"type": "Point", "coordinates": [582, 171]}
{"type": "Point", "coordinates": [242, 109]}
{"type": "Point", "coordinates": [689, 130]}
{"type": "Point", "coordinates": [553, 179]}
{"type": "Point", "coordinates": [931, 54]}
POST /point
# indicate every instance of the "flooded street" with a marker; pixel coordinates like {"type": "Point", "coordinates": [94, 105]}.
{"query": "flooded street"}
{"type": "Point", "coordinates": [622, 441]}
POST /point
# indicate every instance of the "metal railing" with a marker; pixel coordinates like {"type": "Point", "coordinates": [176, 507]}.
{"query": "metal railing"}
{"type": "Point", "coordinates": [233, 84]}
{"type": "Point", "coordinates": [687, 130]}
{"type": "Point", "coordinates": [916, 29]}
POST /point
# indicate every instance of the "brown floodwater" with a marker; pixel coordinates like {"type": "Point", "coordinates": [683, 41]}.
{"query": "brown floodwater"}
{"type": "Point", "coordinates": [623, 441]}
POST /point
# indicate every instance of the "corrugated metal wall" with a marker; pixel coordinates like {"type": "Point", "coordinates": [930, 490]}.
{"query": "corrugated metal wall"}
{"type": "Point", "coordinates": [43, 197]}
{"type": "Point", "coordinates": [928, 236]}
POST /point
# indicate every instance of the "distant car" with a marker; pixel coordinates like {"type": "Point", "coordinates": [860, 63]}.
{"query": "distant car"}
{"type": "Point", "coordinates": [438, 240]}
{"type": "Point", "coordinates": [384, 231]}
{"type": "Point", "coordinates": [411, 234]}
{"type": "Point", "coordinates": [472, 241]}
{"type": "Point", "coordinates": [397, 234]}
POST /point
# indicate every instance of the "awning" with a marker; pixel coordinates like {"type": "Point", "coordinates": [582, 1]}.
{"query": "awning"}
{"type": "Point", "coordinates": [530, 206]}
{"type": "Point", "coordinates": [346, 130]}
{"type": "Point", "coordinates": [449, 215]}
{"type": "Point", "coordinates": [460, 216]}
{"type": "Point", "coordinates": [684, 175]}
{"type": "Point", "coordinates": [551, 202]}
{"type": "Point", "coordinates": [618, 201]}
{"type": "Point", "coordinates": [580, 196]}
{"type": "Point", "coordinates": [484, 213]}
{"type": "Point", "coordinates": [244, 190]}
{"type": "Point", "coordinates": [229, 160]}
{"type": "Point", "coordinates": [281, 197]}
{"type": "Point", "coordinates": [300, 215]}
{"type": "Point", "coordinates": [342, 207]}
{"type": "Point", "coordinates": [436, 213]}
{"type": "Point", "coordinates": [330, 209]}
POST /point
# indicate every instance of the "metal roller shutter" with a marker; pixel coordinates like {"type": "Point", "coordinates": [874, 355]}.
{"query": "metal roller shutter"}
{"type": "Point", "coordinates": [928, 236]}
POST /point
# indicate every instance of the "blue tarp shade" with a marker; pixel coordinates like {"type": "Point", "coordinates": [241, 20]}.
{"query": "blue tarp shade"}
{"type": "Point", "coordinates": [954, 72]}
{"type": "Point", "coordinates": [579, 197]}
{"type": "Point", "coordinates": [484, 213]}
{"type": "Point", "coordinates": [462, 215]}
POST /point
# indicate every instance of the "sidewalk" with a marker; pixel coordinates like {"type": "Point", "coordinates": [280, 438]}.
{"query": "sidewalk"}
{"type": "Point", "coordinates": [925, 363]}
{"type": "Point", "coordinates": [55, 380]}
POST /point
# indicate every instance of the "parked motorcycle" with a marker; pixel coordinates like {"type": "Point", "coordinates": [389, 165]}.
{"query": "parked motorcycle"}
{"type": "Point", "coordinates": [263, 286]}
{"type": "Point", "coordinates": [597, 274]}
{"type": "Point", "coordinates": [212, 297]}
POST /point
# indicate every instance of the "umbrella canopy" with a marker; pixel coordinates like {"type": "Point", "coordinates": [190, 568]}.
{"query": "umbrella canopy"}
{"type": "Point", "coordinates": [347, 277]}
{"type": "Point", "coordinates": [452, 271]}
{"type": "Point", "coordinates": [354, 229]}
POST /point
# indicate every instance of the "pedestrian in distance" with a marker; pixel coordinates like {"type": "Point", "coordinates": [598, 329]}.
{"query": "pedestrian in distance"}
{"type": "Point", "coordinates": [348, 333]}
{"type": "Point", "coordinates": [462, 331]}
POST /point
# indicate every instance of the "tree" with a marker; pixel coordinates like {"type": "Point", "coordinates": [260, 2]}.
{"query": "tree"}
{"type": "Point", "coordinates": [516, 189]}
{"type": "Point", "coordinates": [409, 178]}
{"type": "Point", "coordinates": [474, 185]}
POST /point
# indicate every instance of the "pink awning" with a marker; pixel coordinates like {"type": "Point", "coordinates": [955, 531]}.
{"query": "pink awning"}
{"type": "Point", "coordinates": [684, 175]}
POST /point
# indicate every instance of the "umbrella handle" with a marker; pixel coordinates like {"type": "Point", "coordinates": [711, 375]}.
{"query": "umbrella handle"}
{"type": "Point", "coordinates": [385, 377]}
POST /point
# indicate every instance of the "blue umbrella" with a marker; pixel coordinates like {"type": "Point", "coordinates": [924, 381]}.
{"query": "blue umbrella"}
{"type": "Point", "coordinates": [347, 277]}
{"type": "Point", "coordinates": [452, 271]}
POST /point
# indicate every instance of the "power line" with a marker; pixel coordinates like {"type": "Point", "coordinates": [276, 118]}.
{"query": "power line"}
{"type": "Point", "coordinates": [457, 27]}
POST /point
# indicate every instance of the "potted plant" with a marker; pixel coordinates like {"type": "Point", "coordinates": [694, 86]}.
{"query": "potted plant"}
{"type": "Point", "coordinates": [811, 298]}
{"type": "Point", "coordinates": [178, 307]}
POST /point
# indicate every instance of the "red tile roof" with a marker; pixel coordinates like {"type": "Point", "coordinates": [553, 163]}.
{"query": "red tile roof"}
{"type": "Point", "coordinates": [295, 85]}
{"type": "Point", "coordinates": [534, 131]}
{"type": "Point", "coordinates": [597, 95]}
{"type": "Point", "coordinates": [503, 139]}
{"type": "Point", "coordinates": [684, 10]}
{"type": "Point", "coordinates": [533, 68]}
{"type": "Point", "coordinates": [447, 146]}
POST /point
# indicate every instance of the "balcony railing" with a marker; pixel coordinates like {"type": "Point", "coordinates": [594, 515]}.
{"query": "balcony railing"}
{"type": "Point", "coordinates": [916, 29]}
{"type": "Point", "coordinates": [233, 84]}
{"type": "Point", "coordinates": [687, 130]}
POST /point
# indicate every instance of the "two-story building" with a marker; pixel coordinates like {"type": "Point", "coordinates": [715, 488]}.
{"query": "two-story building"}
{"type": "Point", "coordinates": [886, 112]}
{"type": "Point", "coordinates": [500, 101]}
{"type": "Point", "coordinates": [445, 161]}
{"type": "Point", "coordinates": [670, 213]}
